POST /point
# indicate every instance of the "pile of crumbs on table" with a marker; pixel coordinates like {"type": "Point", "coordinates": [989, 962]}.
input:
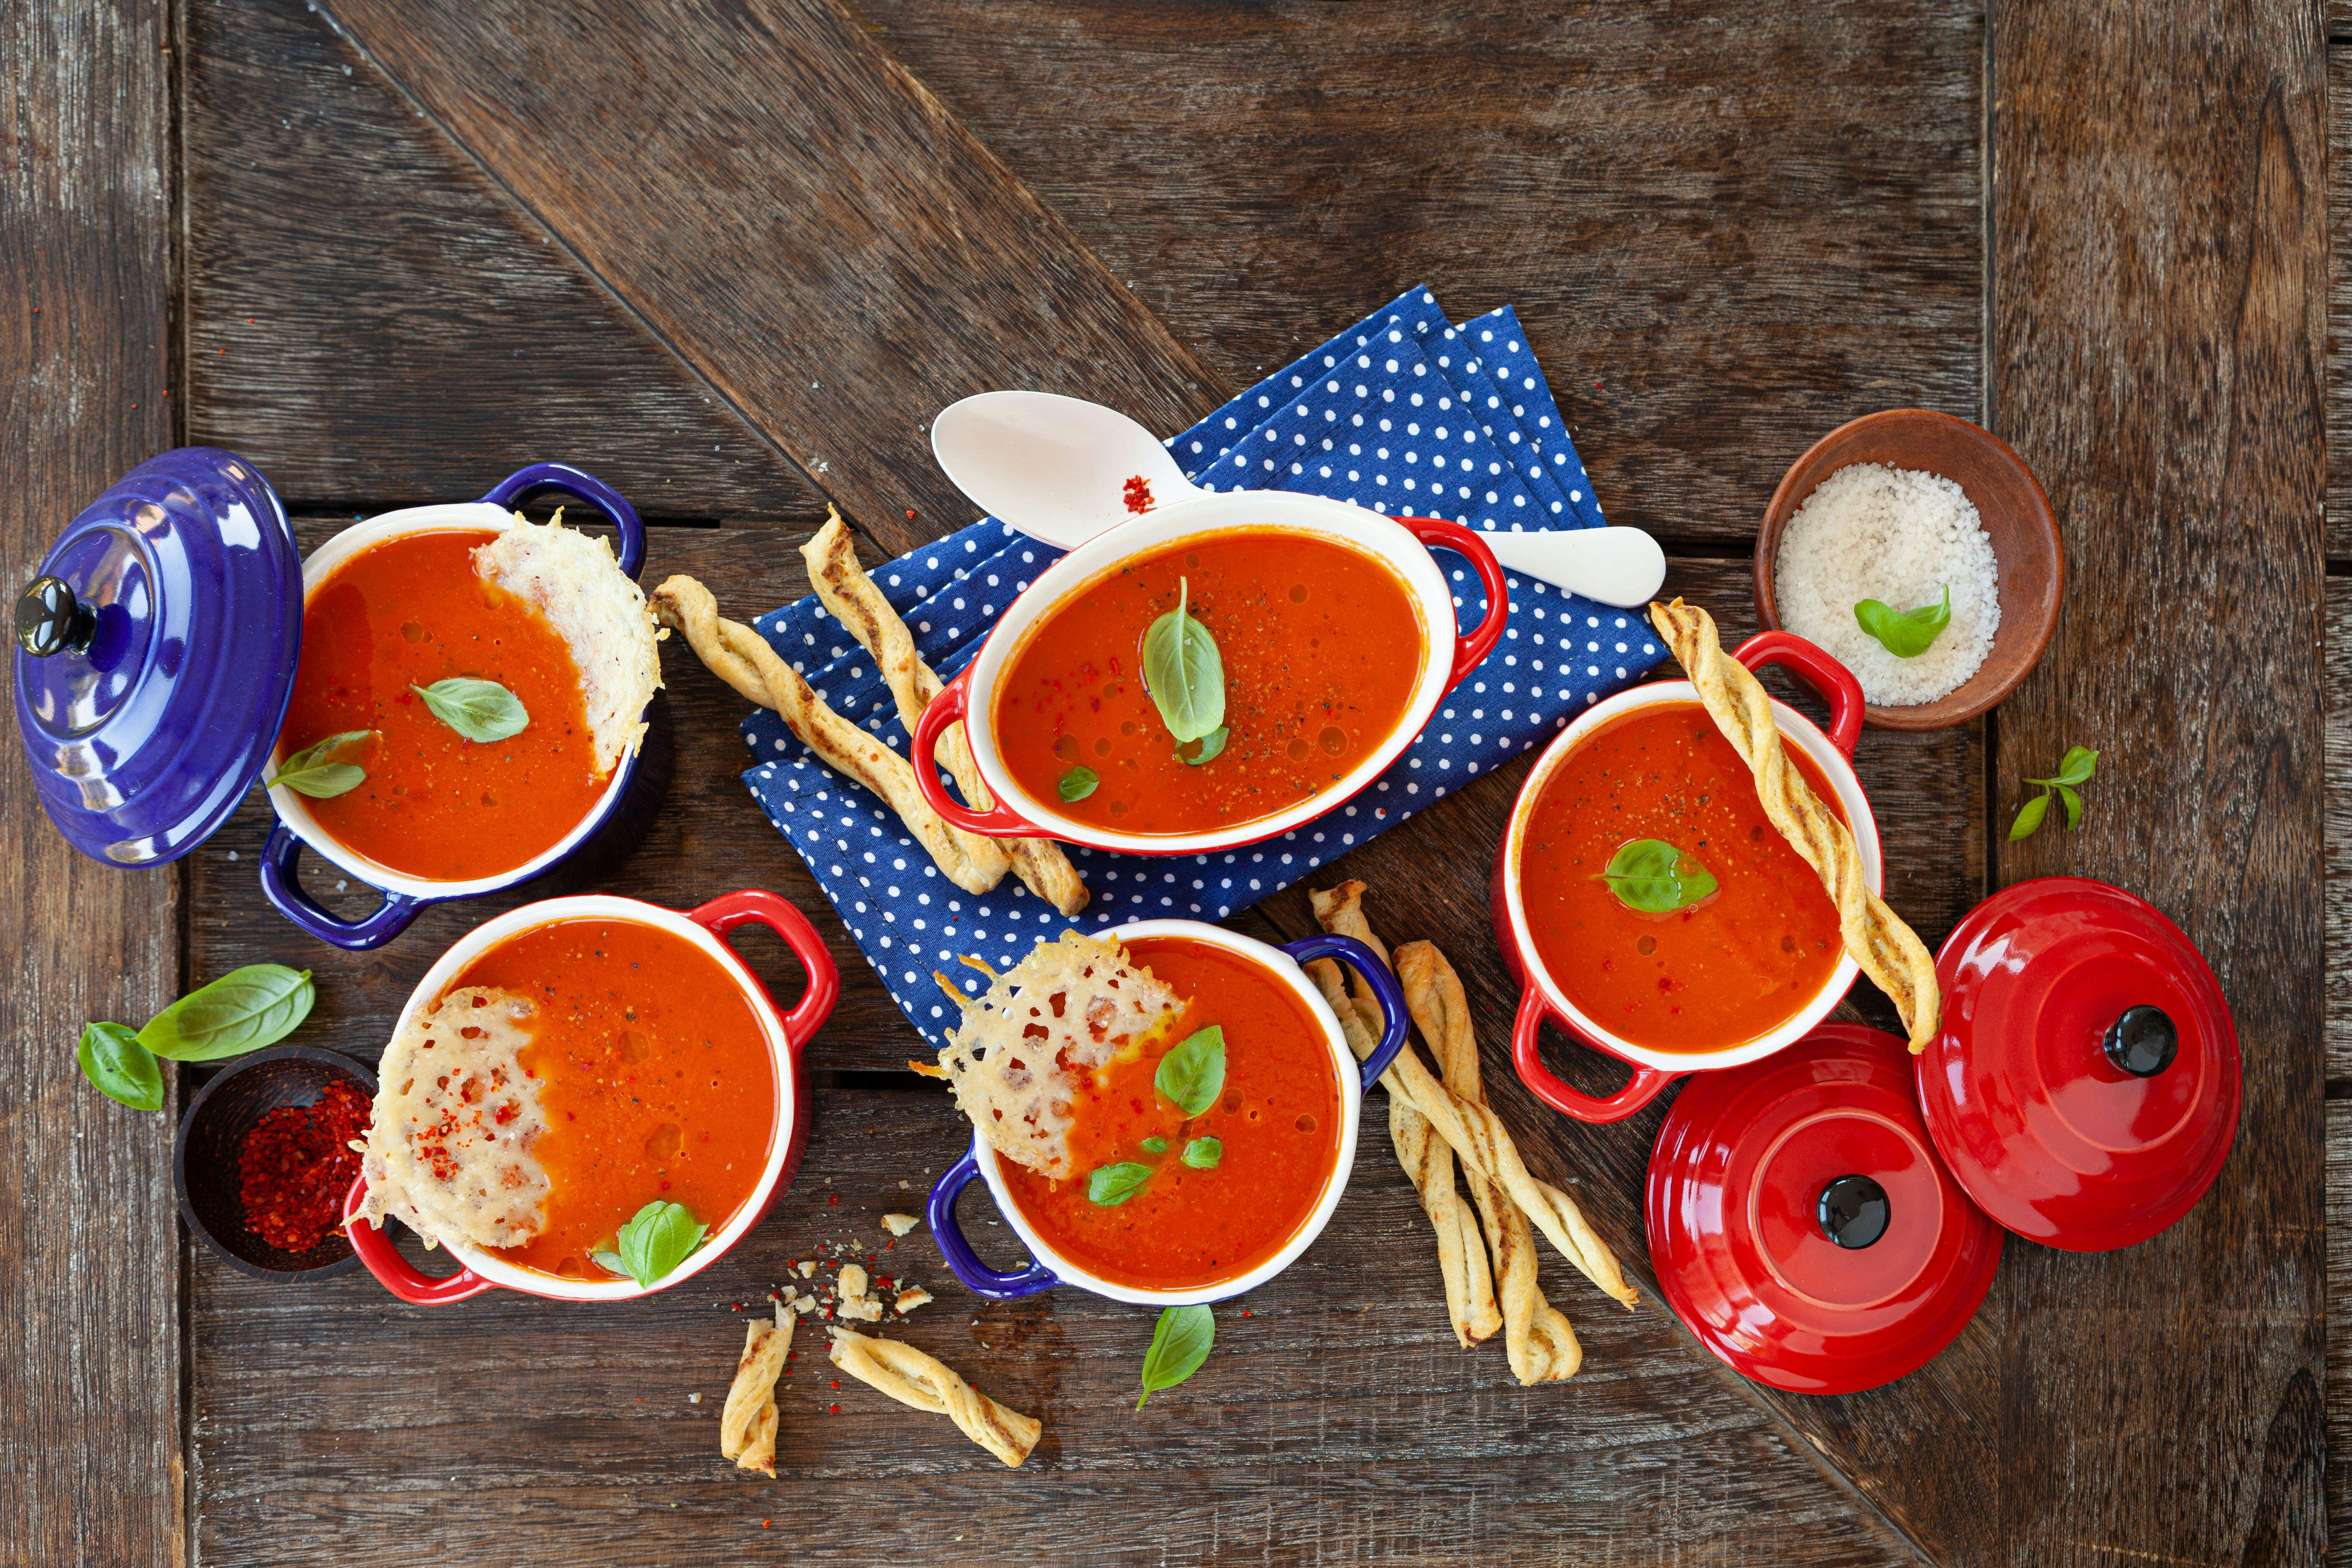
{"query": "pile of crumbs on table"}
{"type": "Point", "coordinates": [1901, 536]}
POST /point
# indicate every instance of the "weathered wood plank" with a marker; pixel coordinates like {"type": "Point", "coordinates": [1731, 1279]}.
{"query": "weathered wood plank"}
{"type": "Point", "coordinates": [802, 222]}
{"type": "Point", "coordinates": [2159, 319]}
{"type": "Point", "coordinates": [2338, 833]}
{"type": "Point", "coordinates": [333, 1422]}
{"type": "Point", "coordinates": [2339, 287]}
{"type": "Point", "coordinates": [2339, 1318]}
{"type": "Point", "coordinates": [372, 320]}
{"type": "Point", "coordinates": [1727, 227]}
{"type": "Point", "coordinates": [89, 1404]}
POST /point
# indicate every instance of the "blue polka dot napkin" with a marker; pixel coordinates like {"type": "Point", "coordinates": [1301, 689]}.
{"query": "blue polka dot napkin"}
{"type": "Point", "coordinates": [1404, 413]}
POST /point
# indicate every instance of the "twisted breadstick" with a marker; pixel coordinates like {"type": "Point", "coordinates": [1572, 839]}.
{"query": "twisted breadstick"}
{"type": "Point", "coordinates": [747, 1428]}
{"type": "Point", "coordinates": [742, 658]}
{"type": "Point", "coordinates": [1889, 951]}
{"type": "Point", "coordinates": [845, 589]}
{"type": "Point", "coordinates": [910, 1377]}
{"type": "Point", "coordinates": [1478, 1139]}
{"type": "Point", "coordinates": [1540, 1342]}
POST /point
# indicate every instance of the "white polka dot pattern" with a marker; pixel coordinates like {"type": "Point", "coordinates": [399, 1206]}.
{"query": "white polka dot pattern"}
{"type": "Point", "coordinates": [1404, 413]}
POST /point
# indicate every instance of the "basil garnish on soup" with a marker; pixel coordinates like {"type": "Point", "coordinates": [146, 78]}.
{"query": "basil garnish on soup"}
{"type": "Point", "coordinates": [655, 1241]}
{"type": "Point", "coordinates": [1655, 878]}
{"type": "Point", "coordinates": [480, 711]}
{"type": "Point", "coordinates": [324, 769]}
{"type": "Point", "coordinates": [1182, 672]}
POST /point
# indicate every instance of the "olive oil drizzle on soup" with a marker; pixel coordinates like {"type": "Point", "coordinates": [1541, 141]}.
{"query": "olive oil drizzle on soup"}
{"type": "Point", "coordinates": [1276, 1121]}
{"type": "Point", "coordinates": [1722, 972]}
{"type": "Point", "coordinates": [1322, 647]}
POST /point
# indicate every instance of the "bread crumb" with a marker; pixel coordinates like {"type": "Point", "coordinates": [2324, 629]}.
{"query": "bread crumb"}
{"type": "Point", "coordinates": [865, 1308]}
{"type": "Point", "coordinates": [909, 1299]}
{"type": "Point", "coordinates": [853, 1282]}
{"type": "Point", "coordinates": [697, 1398]}
{"type": "Point", "coordinates": [802, 1304]}
{"type": "Point", "coordinates": [808, 1267]}
{"type": "Point", "coordinates": [899, 1224]}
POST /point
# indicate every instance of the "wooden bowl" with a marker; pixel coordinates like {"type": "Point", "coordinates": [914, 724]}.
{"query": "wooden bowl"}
{"type": "Point", "coordinates": [212, 1136]}
{"type": "Point", "coordinates": [2028, 561]}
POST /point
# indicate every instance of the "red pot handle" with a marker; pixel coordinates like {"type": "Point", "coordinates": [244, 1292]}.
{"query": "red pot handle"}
{"type": "Point", "coordinates": [395, 1273]}
{"type": "Point", "coordinates": [1644, 1086]}
{"type": "Point", "coordinates": [1469, 650]}
{"type": "Point", "coordinates": [1812, 665]}
{"type": "Point", "coordinates": [947, 708]}
{"type": "Point", "coordinates": [724, 913]}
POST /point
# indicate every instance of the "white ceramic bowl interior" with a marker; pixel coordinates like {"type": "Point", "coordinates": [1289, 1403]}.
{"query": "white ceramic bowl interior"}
{"type": "Point", "coordinates": [1351, 1099]}
{"type": "Point", "coordinates": [1833, 766]}
{"type": "Point", "coordinates": [473, 517]}
{"type": "Point", "coordinates": [604, 906]}
{"type": "Point", "coordinates": [1380, 536]}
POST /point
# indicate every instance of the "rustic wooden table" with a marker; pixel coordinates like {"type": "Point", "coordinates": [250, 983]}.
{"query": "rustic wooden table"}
{"type": "Point", "coordinates": [732, 255]}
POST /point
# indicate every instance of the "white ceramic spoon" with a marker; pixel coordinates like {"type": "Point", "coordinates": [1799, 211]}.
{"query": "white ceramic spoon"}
{"type": "Point", "coordinates": [1058, 468]}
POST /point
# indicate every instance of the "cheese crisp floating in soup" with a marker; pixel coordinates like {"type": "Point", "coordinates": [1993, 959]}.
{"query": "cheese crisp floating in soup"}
{"type": "Point", "coordinates": [573, 580]}
{"type": "Point", "coordinates": [1064, 1010]}
{"type": "Point", "coordinates": [449, 1153]}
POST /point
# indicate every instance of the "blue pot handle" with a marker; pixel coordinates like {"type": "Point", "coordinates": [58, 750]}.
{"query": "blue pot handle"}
{"type": "Point", "coordinates": [582, 485]}
{"type": "Point", "coordinates": [281, 881]}
{"type": "Point", "coordinates": [1366, 962]}
{"type": "Point", "coordinates": [963, 1261]}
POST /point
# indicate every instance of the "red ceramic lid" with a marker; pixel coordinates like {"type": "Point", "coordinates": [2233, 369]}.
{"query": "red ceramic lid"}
{"type": "Point", "coordinates": [1803, 1224]}
{"type": "Point", "coordinates": [2084, 1088]}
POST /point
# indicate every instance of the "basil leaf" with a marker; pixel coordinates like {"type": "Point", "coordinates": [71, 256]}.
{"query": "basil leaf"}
{"type": "Point", "coordinates": [313, 770]}
{"type": "Point", "coordinates": [1194, 1074]}
{"type": "Point", "coordinates": [119, 1066]}
{"type": "Point", "coordinates": [1182, 672]}
{"type": "Point", "coordinates": [1905, 633]}
{"type": "Point", "coordinates": [1077, 783]}
{"type": "Point", "coordinates": [477, 710]}
{"type": "Point", "coordinates": [2076, 766]}
{"type": "Point", "coordinates": [1180, 1343]}
{"type": "Point", "coordinates": [1654, 876]}
{"type": "Point", "coordinates": [1111, 1185]}
{"type": "Point", "coordinates": [2074, 803]}
{"type": "Point", "coordinates": [610, 1262]}
{"type": "Point", "coordinates": [1211, 744]}
{"type": "Point", "coordinates": [659, 1237]}
{"type": "Point", "coordinates": [1155, 1145]}
{"type": "Point", "coordinates": [243, 1011]}
{"type": "Point", "coordinates": [2029, 818]}
{"type": "Point", "coordinates": [1203, 1153]}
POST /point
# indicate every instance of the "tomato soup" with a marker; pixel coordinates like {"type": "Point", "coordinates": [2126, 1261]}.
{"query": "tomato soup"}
{"type": "Point", "coordinates": [1322, 647]}
{"type": "Point", "coordinates": [407, 613]}
{"type": "Point", "coordinates": [1276, 1122]}
{"type": "Point", "coordinates": [1724, 970]}
{"type": "Point", "coordinates": [655, 1077]}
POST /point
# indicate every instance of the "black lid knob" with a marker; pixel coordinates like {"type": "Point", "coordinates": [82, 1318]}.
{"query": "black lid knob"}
{"type": "Point", "coordinates": [1852, 1211]}
{"type": "Point", "coordinates": [2142, 1041]}
{"type": "Point", "coordinates": [50, 620]}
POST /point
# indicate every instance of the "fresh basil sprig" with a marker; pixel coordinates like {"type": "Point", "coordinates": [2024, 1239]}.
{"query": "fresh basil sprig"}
{"type": "Point", "coordinates": [1211, 744]}
{"type": "Point", "coordinates": [1077, 783]}
{"type": "Point", "coordinates": [122, 1069]}
{"type": "Point", "coordinates": [1194, 1074]}
{"type": "Point", "coordinates": [477, 710]}
{"type": "Point", "coordinates": [1155, 1144]}
{"type": "Point", "coordinates": [1111, 1185]}
{"type": "Point", "coordinates": [315, 771]}
{"type": "Point", "coordinates": [1905, 633]}
{"type": "Point", "coordinates": [1181, 1342]}
{"type": "Point", "coordinates": [243, 1011]}
{"type": "Point", "coordinates": [1654, 876]}
{"type": "Point", "coordinates": [1183, 672]}
{"type": "Point", "coordinates": [655, 1241]}
{"type": "Point", "coordinates": [1203, 1153]}
{"type": "Point", "coordinates": [2075, 768]}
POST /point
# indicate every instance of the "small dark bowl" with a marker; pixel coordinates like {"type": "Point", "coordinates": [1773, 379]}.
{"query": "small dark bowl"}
{"type": "Point", "coordinates": [212, 1135]}
{"type": "Point", "coordinates": [2028, 561]}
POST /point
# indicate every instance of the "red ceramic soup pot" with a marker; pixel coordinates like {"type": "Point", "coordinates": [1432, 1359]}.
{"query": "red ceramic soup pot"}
{"type": "Point", "coordinates": [1402, 543]}
{"type": "Point", "coordinates": [1542, 996]}
{"type": "Point", "coordinates": [787, 1035]}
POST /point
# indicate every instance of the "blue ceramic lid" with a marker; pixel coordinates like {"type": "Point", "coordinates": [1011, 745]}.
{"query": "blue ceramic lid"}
{"type": "Point", "coordinates": [155, 656]}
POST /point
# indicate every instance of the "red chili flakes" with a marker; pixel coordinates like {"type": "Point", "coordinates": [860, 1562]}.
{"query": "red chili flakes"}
{"type": "Point", "coordinates": [1245, 1311]}
{"type": "Point", "coordinates": [833, 1411]}
{"type": "Point", "coordinates": [295, 1168]}
{"type": "Point", "coordinates": [1138, 495]}
{"type": "Point", "coordinates": [833, 1200]}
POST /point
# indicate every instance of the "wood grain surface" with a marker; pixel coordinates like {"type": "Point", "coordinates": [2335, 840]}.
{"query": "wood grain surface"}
{"type": "Point", "coordinates": [2159, 299]}
{"type": "Point", "coordinates": [89, 1295]}
{"type": "Point", "coordinates": [802, 224]}
{"type": "Point", "coordinates": [2337, 771]}
{"type": "Point", "coordinates": [1337, 1422]}
{"type": "Point", "coordinates": [1727, 227]}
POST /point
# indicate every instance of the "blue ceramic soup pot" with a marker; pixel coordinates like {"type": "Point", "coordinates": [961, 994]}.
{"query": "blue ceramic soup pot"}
{"type": "Point", "coordinates": [619, 815]}
{"type": "Point", "coordinates": [1282, 964]}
